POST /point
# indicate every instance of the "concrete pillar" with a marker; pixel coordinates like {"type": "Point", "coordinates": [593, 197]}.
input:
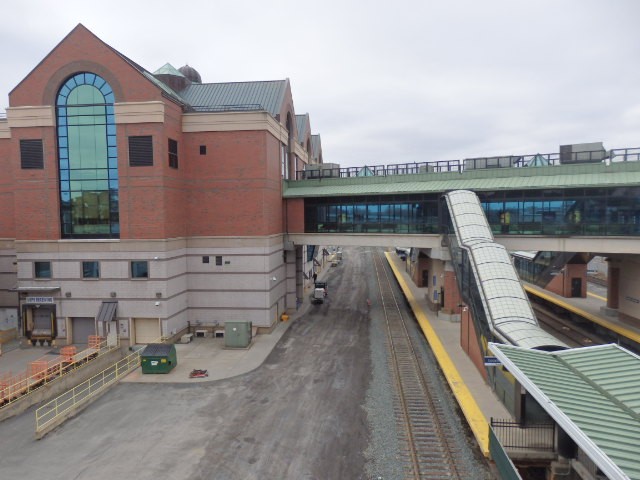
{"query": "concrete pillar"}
{"type": "Point", "coordinates": [613, 286]}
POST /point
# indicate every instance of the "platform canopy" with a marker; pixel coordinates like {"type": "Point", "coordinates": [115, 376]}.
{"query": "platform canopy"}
{"type": "Point", "coordinates": [593, 394]}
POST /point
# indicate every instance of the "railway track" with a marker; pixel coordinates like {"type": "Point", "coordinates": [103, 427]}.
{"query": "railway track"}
{"type": "Point", "coordinates": [431, 451]}
{"type": "Point", "coordinates": [566, 330]}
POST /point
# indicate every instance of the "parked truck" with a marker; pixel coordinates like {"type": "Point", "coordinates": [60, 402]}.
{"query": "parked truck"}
{"type": "Point", "coordinates": [319, 293]}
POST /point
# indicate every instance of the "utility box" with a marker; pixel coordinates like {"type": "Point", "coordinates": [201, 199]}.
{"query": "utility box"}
{"type": "Point", "coordinates": [582, 153]}
{"type": "Point", "coordinates": [237, 334]}
{"type": "Point", "coordinates": [158, 358]}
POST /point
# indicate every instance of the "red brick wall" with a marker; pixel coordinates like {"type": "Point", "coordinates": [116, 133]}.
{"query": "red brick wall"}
{"type": "Point", "coordinates": [7, 187]}
{"type": "Point", "coordinates": [561, 283]}
{"type": "Point", "coordinates": [82, 51]}
{"type": "Point", "coordinates": [451, 293]}
{"type": "Point", "coordinates": [469, 342]}
{"type": "Point", "coordinates": [236, 188]}
{"type": "Point", "coordinates": [295, 215]}
{"type": "Point", "coordinates": [36, 198]}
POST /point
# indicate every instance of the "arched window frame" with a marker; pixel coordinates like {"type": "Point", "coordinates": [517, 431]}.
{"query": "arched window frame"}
{"type": "Point", "coordinates": [87, 158]}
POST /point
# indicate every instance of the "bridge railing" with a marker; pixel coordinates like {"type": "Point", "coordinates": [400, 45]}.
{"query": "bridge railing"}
{"type": "Point", "coordinates": [479, 163]}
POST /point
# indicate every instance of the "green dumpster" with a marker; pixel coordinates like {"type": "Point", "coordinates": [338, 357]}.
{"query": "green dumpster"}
{"type": "Point", "coordinates": [158, 358]}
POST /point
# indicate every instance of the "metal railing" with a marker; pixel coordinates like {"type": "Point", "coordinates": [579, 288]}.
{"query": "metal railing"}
{"type": "Point", "coordinates": [480, 163]}
{"type": "Point", "coordinates": [242, 107]}
{"type": "Point", "coordinates": [46, 370]}
{"type": "Point", "coordinates": [82, 393]}
{"type": "Point", "coordinates": [51, 412]}
{"type": "Point", "coordinates": [513, 435]}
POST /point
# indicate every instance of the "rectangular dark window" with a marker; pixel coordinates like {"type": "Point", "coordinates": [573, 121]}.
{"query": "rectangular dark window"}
{"type": "Point", "coordinates": [141, 151]}
{"type": "Point", "coordinates": [42, 269]}
{"type": "Point", "coordinates": [205, 259]}
{"type": "Point", "coordinates": [203, 149]}
{"type": "Point", "coordinates": [31, 154]}
{"type": "Point", "coordinates": [173, 153]}
{"type": "Point", "coordinates": [90, 270]}
{"type": "Point", "coordinates": [218, 260]}
{"type": "Point", "coordinates": [139, 269]}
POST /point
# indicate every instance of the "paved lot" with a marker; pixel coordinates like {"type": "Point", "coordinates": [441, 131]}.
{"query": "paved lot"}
{"type": "Point", "coordinates": [300, 415]}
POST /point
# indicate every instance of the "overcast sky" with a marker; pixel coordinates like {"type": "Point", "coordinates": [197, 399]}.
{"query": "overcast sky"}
{"type": "Point", "coordinates": [384, 81]}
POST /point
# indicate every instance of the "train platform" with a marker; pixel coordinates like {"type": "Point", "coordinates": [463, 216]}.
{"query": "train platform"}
{"type": "Point", "coordinates": [475, 397]}
{"type": "Point", "coordinates": [590, 308]}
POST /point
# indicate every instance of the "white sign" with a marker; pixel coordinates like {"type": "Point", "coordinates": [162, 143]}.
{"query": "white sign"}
{"type": "Point", "coordinates": [39, 300]}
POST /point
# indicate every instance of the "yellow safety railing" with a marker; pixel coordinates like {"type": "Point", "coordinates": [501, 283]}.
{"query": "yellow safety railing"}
{"type": "Point", "coordinates": [80, 394]}
{"type": "Point", "coordinates": [45, 370]}
{"type": "Point", "coordinates": [52, 411]}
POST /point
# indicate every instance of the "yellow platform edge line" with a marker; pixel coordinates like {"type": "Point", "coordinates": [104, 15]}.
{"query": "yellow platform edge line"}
{"type": "Point", "coordinates": [599, 297]}
{"type": "Point", "coordinates": [475, 418]}
{"type": "Point", "coordinates": [600, 321]}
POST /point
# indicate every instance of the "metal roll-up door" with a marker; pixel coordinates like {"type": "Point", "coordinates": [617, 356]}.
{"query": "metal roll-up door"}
{"type": "Point", "coordinates": [147, 330]}
{"type": "Point", "coordinates": [82, 327]}
{"type": "Point", "coordinates": [41, 320]}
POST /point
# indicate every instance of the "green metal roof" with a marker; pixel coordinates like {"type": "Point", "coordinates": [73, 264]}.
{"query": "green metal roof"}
{"type": "Point", "coordinates": [168, 69]}
{"type": "Point", "coordinates": [593, 393]}
{"type": "Point", "coordinates": [265, 95]}
{"type": "Point", "coordinates": [302, 122]}
{"type": "Point", "coordinates": [563, 176]}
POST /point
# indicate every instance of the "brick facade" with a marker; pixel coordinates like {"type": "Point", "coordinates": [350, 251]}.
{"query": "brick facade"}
{"type": "Point", "coordinates": [224, 201]}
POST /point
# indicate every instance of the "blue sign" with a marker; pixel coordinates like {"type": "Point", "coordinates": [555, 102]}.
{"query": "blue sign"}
{"type": "Point", "coordinates": [491, 362]}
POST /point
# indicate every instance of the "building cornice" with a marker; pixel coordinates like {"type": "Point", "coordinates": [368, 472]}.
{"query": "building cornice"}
{"type": "Point", "coordinates": [40, 116]}
{"type": "Point", "coordinates": [233, 122]}
{"type": "Point", "coordinates": [139, 112]}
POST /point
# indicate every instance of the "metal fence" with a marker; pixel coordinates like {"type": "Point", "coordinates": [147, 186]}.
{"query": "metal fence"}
{"type": "Point", "coordinates": [513, 435]}
{"type": "Point", "coordinates": [615, 155]}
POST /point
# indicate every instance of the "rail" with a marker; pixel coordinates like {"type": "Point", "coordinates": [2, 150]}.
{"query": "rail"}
{"type": "Point", "coordinates": [516, 436]}
{"type": "Point", "coordinates": [45, 370]}
{"type": "Point", "coordinates": [57, 410]}
{"type": "Point", "coordinates": [433, 451]}
{"type": "Point", "coordinates": [479, 163]}
{"type": "Point", "coordinates": [241, 107]}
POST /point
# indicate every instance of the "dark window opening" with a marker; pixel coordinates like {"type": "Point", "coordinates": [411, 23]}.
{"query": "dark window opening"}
{"type": "Point", "coordinates": [205, 259]}
{"type": "Point", "coordinates": [203, 149]}
{"type": "Point", "coordinates": [141, 151]}
{"type": "Point", "coordinates": [42, 269]}
{"type": "Point", "coordinates": [218, 260]}
{"type": "Point", "coordinates": [31, 154]}
{"type": "Point", "coordinates": [139, 269]}
{"type": "Point", "coordinates": [173, 153]}
{"type": "Point", "coordinates": [90, 270]}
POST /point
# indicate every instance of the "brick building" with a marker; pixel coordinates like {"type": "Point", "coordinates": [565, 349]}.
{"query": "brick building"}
{"type": "Point", "coordinates": [152, 190]}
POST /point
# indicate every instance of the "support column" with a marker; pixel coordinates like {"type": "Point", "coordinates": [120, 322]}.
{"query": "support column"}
{"type": "Point", "coordinates": [613, 286]}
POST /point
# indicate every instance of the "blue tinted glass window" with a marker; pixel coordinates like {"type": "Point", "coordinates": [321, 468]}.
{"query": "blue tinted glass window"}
{"type": "Point", "coordinates": [87, 153]}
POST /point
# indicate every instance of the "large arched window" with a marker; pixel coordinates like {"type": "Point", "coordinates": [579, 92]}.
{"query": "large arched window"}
{"type": "Point", "coordinates": [88, 158]}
